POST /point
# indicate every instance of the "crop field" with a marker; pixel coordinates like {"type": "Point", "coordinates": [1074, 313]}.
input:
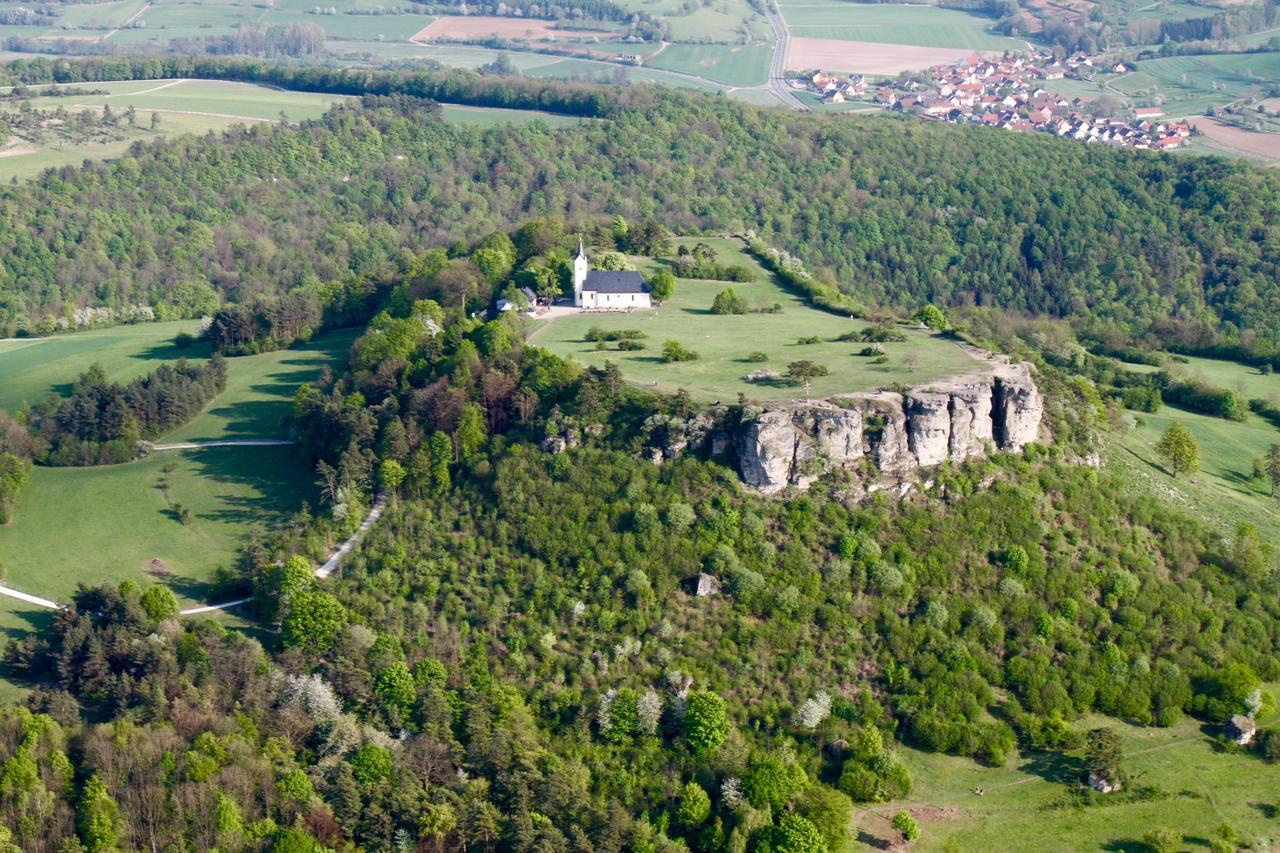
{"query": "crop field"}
{"type": "Point", "coordinates": [32, 369]}
{"type": "Point", "coordinates": [724, 342]}
{"type": "Point", "coordinates": [1199, 787]}
{"type": "Point", "coordinates": [448, 27]}
{"type": "Point", "coordinates": [115, 522]}
{"type": "Point", "coordinates": [866, 57]}
{"type": "Point", "coordinates": [1189, 85]}
{"type": "Point", "coordinates": [924, 26]}
{"type": "Point", "coordinates": [736, 65]}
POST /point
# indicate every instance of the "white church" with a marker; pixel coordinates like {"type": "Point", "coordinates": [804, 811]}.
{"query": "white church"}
{"type": "Point", "coordinates": [616, 290]}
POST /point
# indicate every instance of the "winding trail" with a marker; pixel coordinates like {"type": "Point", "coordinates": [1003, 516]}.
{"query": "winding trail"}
{"type": "Point", "coordinates": [325, 570]}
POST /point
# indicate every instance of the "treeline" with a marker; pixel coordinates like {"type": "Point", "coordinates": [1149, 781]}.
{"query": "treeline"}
{"type": "Point", "coordinates": [101, 422]}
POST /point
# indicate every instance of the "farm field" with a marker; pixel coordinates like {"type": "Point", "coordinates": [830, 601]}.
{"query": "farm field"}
{"type": "Point", "coordinates": [866, 57]}
{"type": "Point", "coordinates": [735, 65]}
{"type": "Point", "coordinates": [34, 368]}
{"type": "Point", "coordinates": [1201, 788]}
{"type": "Point", "coordinates": [924, 26]}
{"type": "Point", "coordinates": [109, 523]}
{"type": "Point", "coordinates": [724, 341]}
{"type": "Point", "coordinates": [184, 106]}
{"type": "Point", "coordinates": [448, 27]}
{"type": "Point", "coordinates": [1237, 140]}
{"type": "Point", "coordinates": [723, 21]}
{"type": "Point", "coordinates": [1187, 83]}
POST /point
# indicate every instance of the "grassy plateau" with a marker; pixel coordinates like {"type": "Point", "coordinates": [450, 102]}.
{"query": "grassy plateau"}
{"type": "Point", "coordinates": [724, 342]}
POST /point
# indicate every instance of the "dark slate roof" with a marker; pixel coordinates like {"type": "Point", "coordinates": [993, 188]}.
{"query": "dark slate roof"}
{"type": "Point", "coordinates": [611, 281]}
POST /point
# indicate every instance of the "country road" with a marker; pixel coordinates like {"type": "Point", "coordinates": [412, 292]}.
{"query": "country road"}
{"type": "Point", "coordinates": [778, 67]}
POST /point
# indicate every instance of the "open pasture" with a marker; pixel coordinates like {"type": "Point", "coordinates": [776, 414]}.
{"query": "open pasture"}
{"type": "Point", "coordinates": [115, 522]}
{"type": "Point", "coordinates": [32, 369]}
{"type": "Point", "coordinates": [725, 342]}
{"type": "Point", "coordinates": [1200, 788]}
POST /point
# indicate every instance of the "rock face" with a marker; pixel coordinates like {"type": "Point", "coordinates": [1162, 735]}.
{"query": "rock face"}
{"type": "Point", "coordinates": [897, 434]}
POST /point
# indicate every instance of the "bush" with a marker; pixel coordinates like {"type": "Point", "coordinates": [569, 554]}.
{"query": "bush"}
{"type": "Point", "coordinates": [595, 333]}
{"type": "Point", "coordinates": [808, 340]}
{"type": "Point", "coordinates": [757, 357]}
{"type": "Point", "coordinates": [630, 346]}
{"type": "Point", "coordinates": [676, 351]}
{"type": "Point", "coordinates": [728, 301]}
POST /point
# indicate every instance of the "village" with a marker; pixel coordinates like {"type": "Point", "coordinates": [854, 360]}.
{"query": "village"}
{"type": "Point", "coordinates": [1012, 93]}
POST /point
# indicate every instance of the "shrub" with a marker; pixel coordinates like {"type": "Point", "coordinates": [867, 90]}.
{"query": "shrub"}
{"type": "Point", "coordinates": [809, 340]}
{"type": "Point", "coordinates": [757, 357]}
{"type": "Point", "coordinates": [630, 346]}
{"type": "Point", "coordinates": [728, 301]}
{"type": "Point", "coordinates": [676, 351]}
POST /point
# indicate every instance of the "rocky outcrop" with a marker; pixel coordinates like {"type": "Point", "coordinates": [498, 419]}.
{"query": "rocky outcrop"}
{"type": "Point", "coordinates": [898, 434]}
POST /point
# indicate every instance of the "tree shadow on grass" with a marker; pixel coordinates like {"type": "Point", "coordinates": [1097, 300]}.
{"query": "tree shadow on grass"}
{"type": "Point", "coordinates": [37, 621]}
{"type": "Point", "coordinates": [873, 841]}
{"type": "Point", "coordinates": [1127, 845]}
{"type": "Point", "coordinates": [1054, 767]}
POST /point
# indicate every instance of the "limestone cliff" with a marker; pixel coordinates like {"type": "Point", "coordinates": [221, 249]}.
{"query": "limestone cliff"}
{"type": "Point", "coordinates": [897, 434]}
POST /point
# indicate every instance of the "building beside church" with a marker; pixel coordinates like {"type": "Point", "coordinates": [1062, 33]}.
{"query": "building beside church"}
{"type": "Point", "coordinates": [618, 290]}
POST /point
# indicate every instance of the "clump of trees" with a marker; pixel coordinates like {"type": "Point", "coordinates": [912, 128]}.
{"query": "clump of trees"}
{"type": "Point", "coordinates": [102, 422]}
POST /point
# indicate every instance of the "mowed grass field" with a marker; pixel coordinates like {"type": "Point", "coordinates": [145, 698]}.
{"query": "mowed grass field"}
{"type": "Point", "coordinates": [925, 26]}
{"type": "Point", "coordinates": [1187, 83]}
{"type": "Point", "coordinates": [1201, 788]}
{"type": "Point", "coordinates": [110, 523]}
{"type": "Point", "coordinates": [725, 341]}
{"type": "Point", "coordinates": [34, 368]}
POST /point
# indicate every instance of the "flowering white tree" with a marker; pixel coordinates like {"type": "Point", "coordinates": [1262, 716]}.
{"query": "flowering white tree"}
{"type": "Point", "coordinates": [814, 711]}
{"type": "Point", "coordinates": [648, 712]}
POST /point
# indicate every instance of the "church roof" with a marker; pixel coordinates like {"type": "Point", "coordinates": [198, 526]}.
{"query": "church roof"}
{"type": "Point", "coordinates": [615, 281]}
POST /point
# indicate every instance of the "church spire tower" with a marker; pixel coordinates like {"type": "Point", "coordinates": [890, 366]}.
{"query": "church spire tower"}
{"type": "Point", "coordinates": [581, 266]}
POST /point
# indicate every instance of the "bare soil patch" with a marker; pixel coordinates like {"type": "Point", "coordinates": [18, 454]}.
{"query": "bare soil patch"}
{"type": "Point", "coordinates": [868, 57]}
{"type": "Point", "coordinates": [466, 28]}
{"type": "Point", "coordinates": [1252, 143]}
{"type": "Point", "coordinates": [16, 147]}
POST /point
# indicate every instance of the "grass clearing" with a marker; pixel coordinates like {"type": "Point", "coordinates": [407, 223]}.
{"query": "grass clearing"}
{"type": "Point", "coordinates": [35, 368]}
{"type": "Point", "coordinates": [735, 65]}
{"type": "Point", "coordinates": [111, 522]}
{"type": "Point", "coordinates": [724, 342]}
{"type": "Point", "coordinates": [1201, 788]}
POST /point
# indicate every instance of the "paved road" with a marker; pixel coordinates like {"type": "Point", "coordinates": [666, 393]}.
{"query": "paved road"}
{"type": "Point", "coordinates": [778, 67]}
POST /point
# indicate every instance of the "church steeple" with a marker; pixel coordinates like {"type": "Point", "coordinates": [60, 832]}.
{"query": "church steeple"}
{"type": "Point", "coordinates": [581, 266]}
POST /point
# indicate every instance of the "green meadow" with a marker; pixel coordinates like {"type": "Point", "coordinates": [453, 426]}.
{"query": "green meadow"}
{"type": "Point", "coordinates": [926, 26]}
{"type": "Point", "coordinates": [1222, 493]}
{"type": "Point", "coordinates": [724, 342]}
{"type": "Point", "coordinates": [1200, 787]}
{"type": "Point", "coordinates": [735, 65]}
{"type": "Point", "coordinates": [119, 522]}
{"type": "Point", "coordinates": [33, 369]}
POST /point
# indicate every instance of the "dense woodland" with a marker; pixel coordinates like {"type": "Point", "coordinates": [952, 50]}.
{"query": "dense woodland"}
{"type": "Point", "coordinates": [514, 659]}
{"type": "Point", "coordinates": [893, 213]}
